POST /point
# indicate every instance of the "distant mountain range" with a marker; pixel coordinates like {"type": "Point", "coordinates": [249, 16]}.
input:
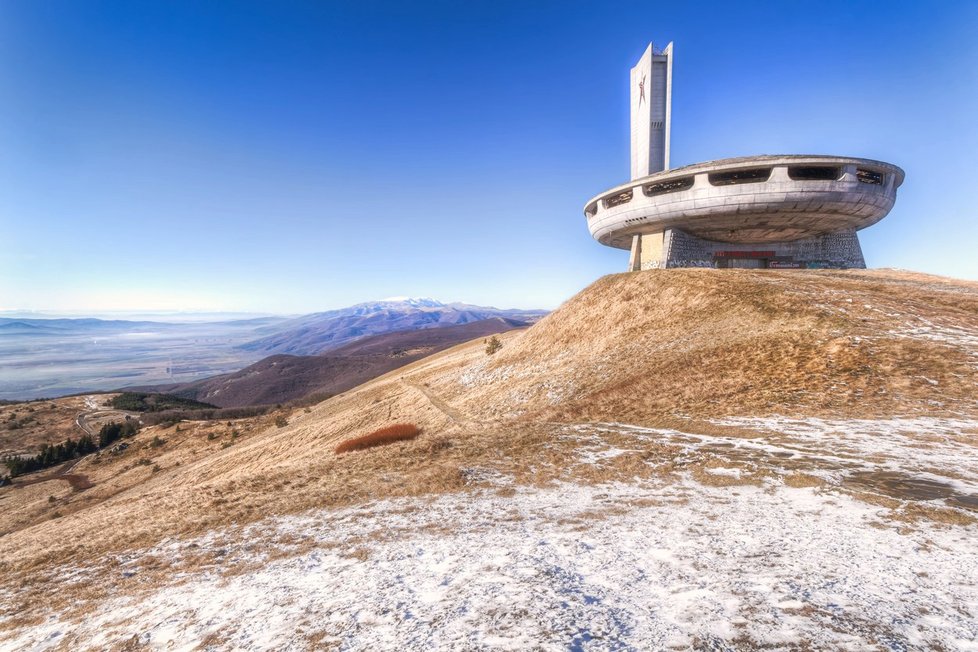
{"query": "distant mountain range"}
{"type": "Point", "coordinates": [280, 378]}
{"type": "Point", "coordinates": [324, 331]}
{"type": "Point", "coordinates": [59, 356]}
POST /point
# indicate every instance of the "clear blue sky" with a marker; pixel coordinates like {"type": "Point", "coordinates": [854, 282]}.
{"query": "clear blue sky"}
{"type": "Point", "coordinates": [291, 157]}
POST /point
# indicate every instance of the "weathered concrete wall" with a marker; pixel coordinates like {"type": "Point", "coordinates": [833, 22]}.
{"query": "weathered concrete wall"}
{"type": "Point", "coordinates": [635, 257]}
{"type": "Point", "coordinates": [653, 248]}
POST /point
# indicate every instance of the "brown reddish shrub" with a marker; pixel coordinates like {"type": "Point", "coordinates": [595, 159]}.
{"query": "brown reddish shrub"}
{"type": "Point", "coordinates": [381, 437]}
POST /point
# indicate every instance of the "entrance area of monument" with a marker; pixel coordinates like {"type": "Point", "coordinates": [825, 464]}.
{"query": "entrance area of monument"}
{"type": "Point", "coordinates": [742, 263]}
{"type": "Point", "coordinates": [742, 259]}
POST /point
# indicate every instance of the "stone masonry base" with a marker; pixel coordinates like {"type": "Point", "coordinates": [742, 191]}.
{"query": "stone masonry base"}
{"type": "Point", "coordinates": [676, 248]}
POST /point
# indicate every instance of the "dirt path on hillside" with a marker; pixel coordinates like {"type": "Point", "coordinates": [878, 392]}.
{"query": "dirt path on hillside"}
{"type": "Point", "coordinates": [440, 405]}
{"type": "Point", "coordinates": [78, 481]}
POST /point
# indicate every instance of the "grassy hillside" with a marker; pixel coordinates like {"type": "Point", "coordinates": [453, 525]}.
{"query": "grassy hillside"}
{"type": "Point", "coordinates": [703, 352]}
{"type": "Point", "coordinates": [282, 378]}
{"type": "Point", "coordinates": [700, 343]}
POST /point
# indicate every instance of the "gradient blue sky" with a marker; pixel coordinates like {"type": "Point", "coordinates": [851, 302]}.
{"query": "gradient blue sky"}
{"type": "Point", "coordinates": [292, 157]}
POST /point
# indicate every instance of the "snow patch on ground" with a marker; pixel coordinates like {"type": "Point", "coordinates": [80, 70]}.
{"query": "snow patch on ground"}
{"type": "Point", "coordinates": [698, 566]}
{"type": "Point", "coordinates": [720, 470]}
{"type": "Point", "coordinates": [554, 385]}
{"type": "Point", "coordinates": [937, 447]}
{"type": "Point", "coordinates": [942, 334]}
{"type": "Point", "coordinates": [651, 564]}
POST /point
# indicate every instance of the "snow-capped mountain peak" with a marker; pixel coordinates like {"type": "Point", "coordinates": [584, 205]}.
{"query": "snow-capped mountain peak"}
{"type": "Point", "coordinates": [418, 302]}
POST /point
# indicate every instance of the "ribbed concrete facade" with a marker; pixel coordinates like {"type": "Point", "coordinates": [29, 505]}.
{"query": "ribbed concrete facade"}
{"type": "Point", "coordinates": [780, 211]}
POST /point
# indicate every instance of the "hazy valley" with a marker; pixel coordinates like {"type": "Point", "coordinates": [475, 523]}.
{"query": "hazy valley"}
{"type": "Point", "coordinates": [54, 357]}
{"type": "Point", "coordinates": [46, 358]}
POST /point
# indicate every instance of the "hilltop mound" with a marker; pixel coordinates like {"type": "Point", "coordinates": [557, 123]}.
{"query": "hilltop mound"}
{"type": "Point", "coordinates": [706, 343]}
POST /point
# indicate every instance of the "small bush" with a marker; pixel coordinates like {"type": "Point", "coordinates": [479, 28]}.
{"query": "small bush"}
{"type": "Point", "coordinates": [492, 345]}
{"type": "Point", "coordinates": [281, 421]}
{"type": "Point", "coordinates": [387, 435]}
{"type": "Point", "coordinates": [157, 442]}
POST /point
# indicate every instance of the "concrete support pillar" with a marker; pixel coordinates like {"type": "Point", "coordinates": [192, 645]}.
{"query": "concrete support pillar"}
{"type": "Point", "coordinates": [635, 258]}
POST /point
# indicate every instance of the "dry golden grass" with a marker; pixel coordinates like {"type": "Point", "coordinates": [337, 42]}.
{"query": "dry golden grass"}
{"type": "Point", "coordinates": [801, 480]}
{"type": "Point", "coordinates": [380, 437]}
{"type": "Point", "coordinates": [663, 348]}
{"type": "Point", "coordinates": [641, 347]}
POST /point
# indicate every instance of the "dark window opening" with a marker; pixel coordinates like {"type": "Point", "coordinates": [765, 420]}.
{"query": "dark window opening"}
{"type": "Point", "coordinates": [752, 175]}
{"type": "Point", "coordinates": [814, 173]}
{"type": "Point", "coordinates": [673, 185]}
{"type": "Point", "coordinates": [870, 176]}
{"type": "Point", "coordinates": [591, 210]}
{"type": "Point", "coordinates": [617, 200]}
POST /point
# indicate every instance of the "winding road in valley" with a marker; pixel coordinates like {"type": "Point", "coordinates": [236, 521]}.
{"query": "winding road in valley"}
{"type": "Point", "coordinates": [94, 413]}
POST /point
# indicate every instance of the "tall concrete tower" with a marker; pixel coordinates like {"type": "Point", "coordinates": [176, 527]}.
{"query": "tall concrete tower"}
{"type": "Point", "coordinates": [651, 111]}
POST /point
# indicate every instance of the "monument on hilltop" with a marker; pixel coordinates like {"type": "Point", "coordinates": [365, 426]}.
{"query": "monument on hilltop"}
{"type": "Point", "coordinates": [773, 211]}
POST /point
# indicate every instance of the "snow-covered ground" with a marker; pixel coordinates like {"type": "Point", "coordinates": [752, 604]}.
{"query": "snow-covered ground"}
{"type": "Point", "coordinates": [939, 449]}
{"type": "Point", "coordinates": [649, 564]}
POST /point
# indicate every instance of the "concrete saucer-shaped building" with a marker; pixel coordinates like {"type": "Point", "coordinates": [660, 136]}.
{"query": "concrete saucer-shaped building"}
{"type": "Point", "coordinates": [789, 211]}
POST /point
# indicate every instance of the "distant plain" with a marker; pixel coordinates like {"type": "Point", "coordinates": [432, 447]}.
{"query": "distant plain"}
{"type": "Point", "coordinates": [45, 358]}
